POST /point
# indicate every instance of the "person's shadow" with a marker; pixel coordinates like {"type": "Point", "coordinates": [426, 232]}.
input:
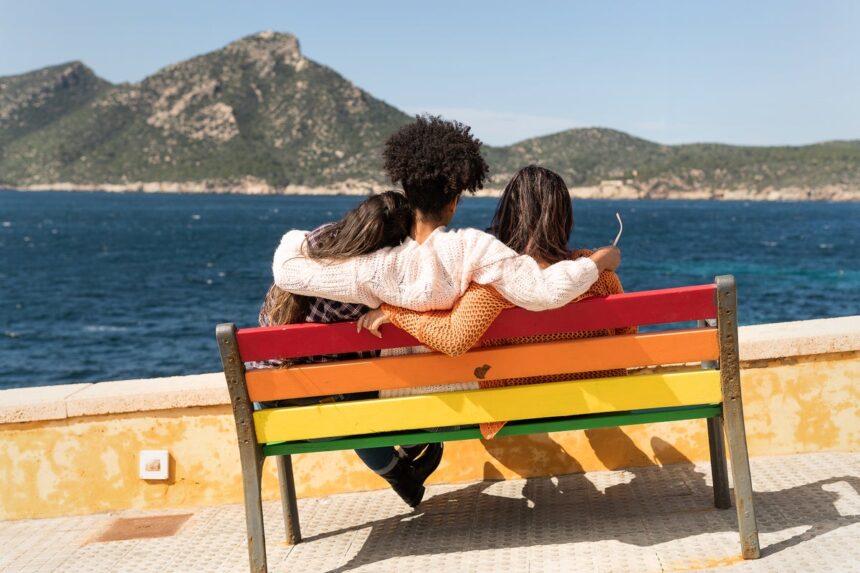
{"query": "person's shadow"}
{"type": "Point", "coordinates": [676, 501]}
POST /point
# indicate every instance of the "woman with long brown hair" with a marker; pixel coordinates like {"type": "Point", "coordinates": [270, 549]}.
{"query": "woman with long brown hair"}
{"type": "Point", "coordinates": [383, 220]}
{"type": "Point", "coordinates": [534, 217]}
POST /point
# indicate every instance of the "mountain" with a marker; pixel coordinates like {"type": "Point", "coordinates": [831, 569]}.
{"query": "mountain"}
{"type": "Point", "coordinates": [586, 157]}
{"type": "Point", "coordinates": [31, 102]}
{"type": "Point", "coordinates": [258, 116]}
{"type": "Point", "coordinates": [256, 108]}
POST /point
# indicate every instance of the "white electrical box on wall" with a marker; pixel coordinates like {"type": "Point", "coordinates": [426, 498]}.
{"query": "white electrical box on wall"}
{"type": "Point", "coordinates": [154, 464]}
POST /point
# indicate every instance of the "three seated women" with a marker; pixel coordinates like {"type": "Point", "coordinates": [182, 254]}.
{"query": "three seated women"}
{"type": "Point", "coordinates": [393, 259]}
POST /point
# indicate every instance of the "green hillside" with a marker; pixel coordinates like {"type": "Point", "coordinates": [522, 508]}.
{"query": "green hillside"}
{"type": "Point", "coordinates": [588, 156]}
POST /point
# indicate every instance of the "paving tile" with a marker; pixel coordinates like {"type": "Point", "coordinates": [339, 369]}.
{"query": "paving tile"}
{"type": "Point", "coordinates": [644, 519]}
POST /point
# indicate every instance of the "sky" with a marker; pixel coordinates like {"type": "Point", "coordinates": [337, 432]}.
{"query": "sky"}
{"type": "Point", "coordinates": [754, 73]}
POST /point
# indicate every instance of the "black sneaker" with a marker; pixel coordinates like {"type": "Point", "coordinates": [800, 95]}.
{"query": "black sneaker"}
{"type": "Point", "coordinates": [426, 462]}
{"type": "Point", "coordinates": [402, 480]}
{"type": "Point", "coordinates": [411, 453]}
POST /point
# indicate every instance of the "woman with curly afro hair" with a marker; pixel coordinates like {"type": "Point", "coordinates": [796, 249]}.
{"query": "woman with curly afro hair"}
{"type": "Point", "coordinates": [434, 161]}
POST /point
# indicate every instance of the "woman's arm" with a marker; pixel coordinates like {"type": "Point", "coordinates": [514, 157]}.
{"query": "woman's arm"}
{"type": "Point", "coordinates": [435, 274]}
{"type": "Point", "coordinates": [519, 279]}
{"type": "Point", "coordinates": [607, 283]}
{"type": "Point", "coordinates": [456, 331]}
{"type": "Point", "coordinates": [554, 287]}
{"type": "Point", "coordinates": [342, 281]}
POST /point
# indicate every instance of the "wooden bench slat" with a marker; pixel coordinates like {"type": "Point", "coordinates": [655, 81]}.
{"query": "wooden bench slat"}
{"type": "Point", "coordinates": [587, 422]}
{"type": "Point", "coordinates": [614, 311]}
{"type": "Point", "coordinates": [498, 363]}
{"type": "Point", "coordinates": [555, 399]}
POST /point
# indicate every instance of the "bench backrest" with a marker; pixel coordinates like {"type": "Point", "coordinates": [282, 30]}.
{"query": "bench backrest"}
{"type": "Point", "coordinates": [673, 345]}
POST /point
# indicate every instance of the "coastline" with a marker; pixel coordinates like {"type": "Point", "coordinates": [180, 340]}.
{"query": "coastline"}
{"type": "Point", "coordinates": [605, 190]}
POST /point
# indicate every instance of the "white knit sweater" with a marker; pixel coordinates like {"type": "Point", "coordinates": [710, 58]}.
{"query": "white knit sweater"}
{"type": "Point", "coordinates": [433, 274]}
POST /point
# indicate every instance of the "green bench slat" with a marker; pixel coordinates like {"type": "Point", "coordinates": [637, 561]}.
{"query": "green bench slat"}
{"type": "Point", "coordinates": [511, 429]}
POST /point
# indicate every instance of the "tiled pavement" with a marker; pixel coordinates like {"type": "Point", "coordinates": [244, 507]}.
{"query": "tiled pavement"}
{"type": "Point", "coordinates": [640, 520]}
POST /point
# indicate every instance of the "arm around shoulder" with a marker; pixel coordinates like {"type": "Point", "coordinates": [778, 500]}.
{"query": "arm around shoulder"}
{"type": "Point", "coordinates": [294, 272]}
{"type": "Point", "coordinates": [522, 282]}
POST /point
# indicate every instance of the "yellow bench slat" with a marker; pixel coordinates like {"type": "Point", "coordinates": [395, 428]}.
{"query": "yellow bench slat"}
{"type": "Point", "coordinates": [475, 406]}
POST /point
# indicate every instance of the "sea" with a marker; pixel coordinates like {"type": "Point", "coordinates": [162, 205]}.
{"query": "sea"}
{"type": "Point", "coordinates": [102, 286]}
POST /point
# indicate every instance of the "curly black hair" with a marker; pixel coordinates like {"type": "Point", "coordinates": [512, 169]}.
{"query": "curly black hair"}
{"type": "Point", "coordinates": [434, 161]}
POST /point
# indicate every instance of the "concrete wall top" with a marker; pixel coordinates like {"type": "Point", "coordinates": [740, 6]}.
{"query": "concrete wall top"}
{"type": "Point", "coordinates": [759, 342]}
{"type": "Point", "coordinates": [800, 338]}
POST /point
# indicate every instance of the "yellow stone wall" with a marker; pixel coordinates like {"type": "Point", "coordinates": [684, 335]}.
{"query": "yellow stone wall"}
{"type": "Point", "coordinates": [89, 464]}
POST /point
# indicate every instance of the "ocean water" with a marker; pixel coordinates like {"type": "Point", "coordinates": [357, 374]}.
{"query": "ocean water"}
{"type": "Point", "coordinates": [98, 286]}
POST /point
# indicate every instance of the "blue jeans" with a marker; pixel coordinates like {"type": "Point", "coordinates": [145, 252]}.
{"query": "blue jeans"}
{"type": "Point", "coordinates": [382, 460]}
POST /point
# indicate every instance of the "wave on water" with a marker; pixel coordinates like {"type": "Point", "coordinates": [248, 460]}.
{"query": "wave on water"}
{"type": "Point", "coordinates": [104, 328]}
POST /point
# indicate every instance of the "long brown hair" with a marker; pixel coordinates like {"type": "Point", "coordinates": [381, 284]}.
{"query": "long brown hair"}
{"type": "Point", "coordinates": [534, 216]}
{"type": "Point", "coordinates": [383, 220]}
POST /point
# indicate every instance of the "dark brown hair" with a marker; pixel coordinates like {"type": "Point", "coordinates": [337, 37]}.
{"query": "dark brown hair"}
{"type": "Point", "coordinates": [434, 160]}
{"type": "Point", "coordinates": [383, 220]}
{"type": "Point", "coordinates": [534, 216]}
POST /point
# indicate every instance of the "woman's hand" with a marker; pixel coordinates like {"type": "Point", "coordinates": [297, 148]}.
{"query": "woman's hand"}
{"type": "Point", "coordinates": [372, 321]}
{"type": "Point", "coordinates": [607, 258]}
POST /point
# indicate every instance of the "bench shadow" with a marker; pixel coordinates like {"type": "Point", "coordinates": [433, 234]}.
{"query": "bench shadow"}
{"type": "Point", "coordinates": [675, 500]}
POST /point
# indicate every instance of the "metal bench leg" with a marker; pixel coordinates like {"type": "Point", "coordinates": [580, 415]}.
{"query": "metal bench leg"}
{"type": "Point", "coordinates": [719, 470]}
{"type": "Point", "coordinates": [251, 482]}
{"type": "Point", "coordinates": [733, 412]}
{"type": "Point", "coordinates": [717, 444]}
{"type": "Point", "coordinates": [250, 452]}
{"type": "Point", "coordinates": [288, 499]}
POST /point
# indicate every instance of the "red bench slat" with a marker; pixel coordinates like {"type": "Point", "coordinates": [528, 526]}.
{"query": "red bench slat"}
{"type": "Point", "coordinates": [613, 311]}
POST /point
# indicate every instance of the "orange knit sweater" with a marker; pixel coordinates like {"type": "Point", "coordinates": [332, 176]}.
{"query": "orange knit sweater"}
{"type": "Point", "coordinates": [457, 330]}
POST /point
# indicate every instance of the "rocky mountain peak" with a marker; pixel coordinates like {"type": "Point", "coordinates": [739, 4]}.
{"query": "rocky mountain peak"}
{"type": "Point", "coordinates": [70, 83]}
{"type": "Point", "coordinates": [73, 73]}
{"type": "Point", "coordinates": [63, 75]}
{"type": "Point", "coordinates": [268, 47]}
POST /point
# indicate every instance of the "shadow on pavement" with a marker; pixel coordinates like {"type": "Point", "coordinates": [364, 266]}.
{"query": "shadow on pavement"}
{"type": "Point", "coordinates": [674, 500]}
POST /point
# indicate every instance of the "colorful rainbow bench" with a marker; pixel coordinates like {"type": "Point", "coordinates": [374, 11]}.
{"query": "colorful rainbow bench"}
{"type": "Point", "coordinates": [713, 394]}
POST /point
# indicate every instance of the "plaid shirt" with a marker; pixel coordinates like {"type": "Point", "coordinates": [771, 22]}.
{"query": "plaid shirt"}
{"type": "Point", "coordinates": [325, 311]}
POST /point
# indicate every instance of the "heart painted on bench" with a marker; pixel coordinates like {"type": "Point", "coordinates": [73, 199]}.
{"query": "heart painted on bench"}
{"type": "Point", "coordinates": [481, 371]}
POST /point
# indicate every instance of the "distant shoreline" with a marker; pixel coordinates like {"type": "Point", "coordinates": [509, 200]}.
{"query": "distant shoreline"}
{"type": "Point", "coordinates": [606, 190]}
